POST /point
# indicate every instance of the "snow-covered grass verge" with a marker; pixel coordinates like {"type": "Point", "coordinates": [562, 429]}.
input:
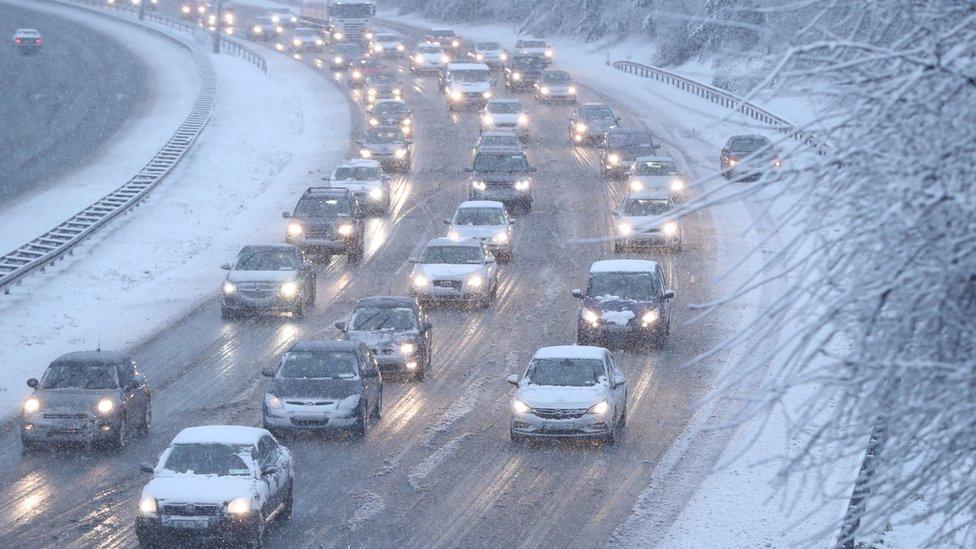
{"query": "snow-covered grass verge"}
{"type": "Point", "coordinates": [266, 139]}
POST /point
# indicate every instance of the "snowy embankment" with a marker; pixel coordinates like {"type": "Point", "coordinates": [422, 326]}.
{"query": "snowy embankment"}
{"type": "Point", "coordinates": [266, 141]}
{"type": "Point", "coordinates": [717, 486]}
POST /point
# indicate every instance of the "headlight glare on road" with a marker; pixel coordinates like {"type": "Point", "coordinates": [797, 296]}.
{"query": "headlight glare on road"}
{"type": "Point", "coordinates": [599, 408]}
{"type": "Point", "coordinates": [479, 185]}
{"type": "Point", "coordinates": [400, 154]}
{"type": "Point", "coordinates": [147, 505]}
{"type": "Point", "coordinates": [239, 506]}
{"type": "Point", "coordinates": [420, 281]}
{"type": "Point", "coordinates": [523, 119]}
{"type": "Point", "coordinates": [677, 185]}
{"type": "Point", "coordinates": [670, 228]}
{"type": "Point", "coordinates": [522, 185]}
{"type": "Point", "coordinates": [229, 287]}
{"type": "Point", "coordinates": [375, 194]}
{"type": "Point", "coordinates": [624, 229]}
{"type": "Point", "coordinates": [475, 281]}
{"type": "Point", "coordinates": [613, 158]}
{"type": "Point", "coordinates": [591, 317]}
{"type": "Point", "coordinates": [500, 238]}
{"type": "Point", "coordinates": [650, 317]}
{"type": "Point", "coordinates": [271, 401]}
{"type": "Point", "coordinates": [295, 229]}
{"type": "Point", "coordinates": [32, 405]}
{"type": "Point", "coordinates": [289, 289]}
{"type": "Point", "coordinates": [365, 153]}
{"type": "Point", "coordinates": [408, 348]}
{"type": "Point", "coordinates": [520, 407]}
{"type": "Point", "coordinates": [344, 230]}
{"type": "Point", "coordinates": [105, 406]}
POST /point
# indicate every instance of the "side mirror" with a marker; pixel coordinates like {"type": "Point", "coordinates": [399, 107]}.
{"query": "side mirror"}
{"type": "Point", "coordinates": [413, 260]}
{"type": "Point", "coordinates": [668, 294]}
{"type": "Point", "coordinates": [512, 378]}
{"type": "Point", "coordinates": [146, 467]}
{"type": "Point", "coordinates": [268, 372]}
{"type": "Point", "coordinates": [225, 266]}
{"type": "Point", "coordinates": [32, 383]}
{"type": "Point", "coordinates": [268, 471]}
{"type": "Point", "coordinates": [133, 386]}
{"type": "Point", "coordinates": [427, 326]}
{"type": "Point", "coordinates": [655, 146]}
{"type": "Point", "coordinates": [341, 326]}
{"type": "Point", "coordinates": [511, 221]}
{"type": "Point", "coordinates": [371, 373]}
{"type": "Point", "coordinates": [468, 170]}
{"type": "Point", "coordinates": [286, 215]}
{"type": "Point", "coordinates": [577, 293]}
{"type": "Point", "coordinates": [447, 221]}
{"type": "Point", "coordinates": [618, 381]}
{"type": "Point", "coordinates": [326, 178]}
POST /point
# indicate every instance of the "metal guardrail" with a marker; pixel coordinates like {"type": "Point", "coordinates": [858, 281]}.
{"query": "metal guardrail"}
{"type": "Point", "coordinates": [52, 245]}
{"type": "Point", "coordinates": [723, 98]}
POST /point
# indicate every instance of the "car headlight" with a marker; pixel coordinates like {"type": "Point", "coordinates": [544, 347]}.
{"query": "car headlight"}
{"type": "Point", "coordinates": [500, 238]}
{"type": "Point", "coordinates": [486, 95]}
{"type": "Point", "coordinates": [32, 405]}
{"type": "Point", "coordinates": [319, 42]}
{"type": "Point", "coordinates": [295, 229]}
{"type": "Point", "coordinates": [369, 36]}
{"type": "Point", "coordinates": [572, 90]}
{"type": "Point", "coordinates": [520, 407]}
{"type": "Point", "coordinates": [503, 57]}
{"type": "Point", "coordinates": [279, 29]}
{"type": "Point", "coordinates": [522, 185]}
{"type": "Point", "coordinates": [636, 186]}
{"type": "Point", "coordinates": [777, 163]}
{"type": "Point", "coordinates": [591, 317]}
{"type": "Point", "coordinates": [239, 506]}
{"type": "Point", "coordinates": [289, 289]}
{"type": "Point", "coordinates": [670, 228]}
{"type": "Point", "coordinates": [548, 53]}
{"type": "Point", "coordinates": [105, 406]}
{"type": "Point", "coordinates": [400, 47]}
{"type": "Point", "coordinates": [407, 348]}
{"type": "Point", "coordinates": [523, 119]}
{"type": "Point", "coordinates": [406, 121]}
{"type": "Point", "coordinates": [337, 60]}
{"type": "Point", "coordinates": [147, 505]}
{"type": "Point", "coordinates": [624, 229]}
{"type": "Point", "coordinates": [479, 185]}
{"type": "Point", "coordinates": [445, 59]}
{"type": "Point", "coordinates": [374, 122]}
{"type": "Point", "coordinates": [256, 29]}
{"type": "Point", "coordinates": [397, 93]}
{"type": "Point", "coordinates": [455, 43]}
{"type": "Point", "coordinates": [376, 194]}
{"type": "Point", "coordinates": [296, 42]}
{"type": "Point", "coordinates": [677, 185]}
{"type": "Point", "coordinates": [338, 36]}
{"type": "Point", "coordinates": [201, 9]}
{"type": "Point", "coordinates": [294, 19]}
{"type": "Point", "coordinates": [344, 230]}
{"type": "Point", "coordinates": [456, 95]}
{"type": "Point", "coordinates": [365, 153]}
{"type": "Point", "coordinates": [599, 408]}
{"type": "Point", "coordinates": [229, 287]}
{"type": "Point", "coordinates": [274, 18]}
{"type": "Point", "coordinates": [400, 153]}
{"type": "Point", "coordinates": [271, 401]}
{"type": "Point", "coordinates": [377, 48]}
{"type": "Point", "coordinates": [487, 120]}
{"type": "Point", "coordinates": [420, 281]}
{"type": "Point", "coordinates": [733, 162]}
{"type": "Point", "coordinates": [475, 281]}
{"type": "Point", "coordinates": [650, 317]}
{"type": "Point", "coordinates": [453, 235]}
{"type": "Point", "coordinates": [357, 74]}
{"type": "Point", "coordinates": [580, 127]}
{"type": "Point", "coordinates": [613, 158]}
{"type": "Point", "coordinates": [185, 9]}
{"type": "Point", "coordinates": [371, 92]}
{"type": "Point", "coordinates": [544, 90]}
{"type": "Point", "coordinates": [516, 76]}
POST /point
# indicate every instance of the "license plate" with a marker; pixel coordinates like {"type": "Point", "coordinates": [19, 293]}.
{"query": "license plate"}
{"type": "Point", "coordinates": [70, 424]}
{"type": "Point", "coordinates": [188, 523]}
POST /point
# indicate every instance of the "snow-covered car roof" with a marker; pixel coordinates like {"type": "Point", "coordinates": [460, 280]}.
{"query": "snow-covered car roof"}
{"type": "Point", "coordinates": [27, 32]}
{"type": "Point", "coordinates": [220, 434]}
{"type": "Point", "coordinates": [481, 204]}
{"type": "Point", "coordinates": [570, 351]}
{"type": "Point", "coordinates": [445, 241]}
{"type": "Point", "coordinates": [269, 248]}
{"type": "Point", "coordinates": [656, 158]}
{"type": "Point", "coordinates": [326, 345]}
{"type": "Point", "coordinates": [467, 67]}
{"type": "Point", "coordinates": [624, 266]}
{"type": "Point", "coordinates": [97, 357]}
{"type": "Point", "coordinates": [359, 163]}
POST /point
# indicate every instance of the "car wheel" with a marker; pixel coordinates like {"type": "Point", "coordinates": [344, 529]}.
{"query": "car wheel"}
{"type": "Point", "coordinates": [362, 426]}
{"type": "Point", "coordinates": [622, 422]}
{"type": "Point", "coordinates": [378, 410]}
{"type": "Point", "coordinates": [286, 511]}
{"type": "Point", "coordinates": [146, 418]}
{"type": "Point", "coordinates": [119, 438]}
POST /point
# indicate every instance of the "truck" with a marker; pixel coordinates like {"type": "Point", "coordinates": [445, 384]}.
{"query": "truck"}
{"type": "Point", "coordinates": [344, 20]}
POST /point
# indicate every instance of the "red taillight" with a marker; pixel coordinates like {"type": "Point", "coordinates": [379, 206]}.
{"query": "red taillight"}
{"type": "Point", "coordinates": [17, 40]}
{"type": "Point", "coordinates": [37, 41]}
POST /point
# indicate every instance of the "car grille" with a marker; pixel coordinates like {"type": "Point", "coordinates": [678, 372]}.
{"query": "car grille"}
{"type": "Point", "coordinates": [309, 422]}
{"type": "Point", "coordinates": [452, 284]}
{"type": "Point", "coordinates": [472, 95]}
{"type": "Point", "coordinates": [499, 184]}
{"type": "Point", "coordinates": [309, 402]}
{"type": "Point", "coordinates": [324, 231]}
{"type": "Point", "coordinates": [505, 125]}
{"type": "Point", "coordinates": [257, 290]}
{"type": "Point", "coordinates": [191, 510]}
{"type": "Point", "coordinates": [65, 415]}
{"type": "Point", "coordinates": [559, 413]}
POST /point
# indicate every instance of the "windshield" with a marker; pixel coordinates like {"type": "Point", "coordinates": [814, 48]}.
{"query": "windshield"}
{"type": "Point", "coordinates": [479, 216]}
{"type": "Point", "coordinates": [387, 38]}
{"type": "Point", "coordinates": [748, 144]}
{"type": "Point", "coordinates": [487, 46]}
{"type": "Point", "coordinates": [528, 63]}
{"type": "Point", "coordinates": [400, 319]}
{"type": "Point", "coordinates": [358, 173]}
{"type": "Point", "coordinates": [635, 286]}
{"type": "Point", "coordinates": [349, 50]}
{"type": "Point", "coordinates": [442, 33]}
{"type": "Point", "coordinates": [322, 207]}
{"type": "Point", "coordinates": [355, 11]}
{"type": "Point", "coordinates": [430, 49]}
{"type": "Point", "coordinates": [451, 255]}
{"type": "Point", "coordinates": [596, 113]}
{"type": "Point", "coordinates": [567, 372]}
{"type": "Point", "coordinates": [558, 77]}
{"type": "Point", "coordinates": [629, 139]}
{"type": "Point", "coordinates": [655, 167]}
{"type": "Point", "coordinates": [392, 108]}
{"type": "Point", "coordinates": [382, 79]}
{"type": "Point", "coordinates": [80, 375]}
{"type": "Point", "coordinates": [505, 107]}
{"type": "Point", "coordinates": [531, 44]}
{"type": "Point", "coordinates": [208, 459]}
{"type": "Point", "coordinates": [470, 76]}
{"type": "Point", "coordinates": [500, 162]}
{"type": "Point", "coordinates": [501, 141]}
{"type": "Point", "coordinates": [645, 207]}
{"type": "Point", "coordinates": [311, 33]}
{"type": "Point", "coordinates": [383, 137]}
{"type": "Point", "coordinates": [318, 365]}
{"type": "Point", "coordinates": [266, 260]}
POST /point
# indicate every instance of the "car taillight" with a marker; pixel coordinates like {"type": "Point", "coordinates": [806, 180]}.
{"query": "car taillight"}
{"type": "Point", "coordinates": [17, 40]}
{"type": "Point", "coordinates": [37, 41]}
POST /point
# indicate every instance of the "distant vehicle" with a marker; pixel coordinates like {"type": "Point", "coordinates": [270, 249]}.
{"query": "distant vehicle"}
{"type": "Point", "coordinates": [389, 146]}
{"type": "Point", "coordinates": [89, 397]}
{"type": "Point", "coordinates": [639, 225]}
{"type": "Point", "coordinates": [489, 53]}
{"type": "Point", "coordinates": [388, 45]}
{"type": "Point", "coordinates": [327, 220]}
{"type": "Point", "coordinates": [590, 122]}
{"type": "Point", "coordinates": [466, 84]}
{"type": "Point", "coordinates": [283, 16]}
{"type": "Point", "coordinates": [658, 173]}
{"type": "Point", "coordinates": [208, 16]}
{"type": "Point", "coordinates": [268, 278]}
{"type": "Point", "coordinates": [535, 48]}
{"type": "Point", "coordinates": [504, 176]}
{"type": "Point", "coordinates": [390, 113]}
{"type": "Point", "coordinates": [150, 4]}
{"type": "Point", "coordinates": [487, 221]}
{"type": "Point", "coordinates": [363, 68]}
{"type": "Point", "coordinates": [263, 28]}
{"type": "Point", "coordinates": [381, 86]}
{"type": "Point", "coordinates": [747, 157]}
{"type": "Point", "coordinates": [345, 20]}
{"type": "Point", "coordinates": [620, 147]}
{"type": "Point", "coordinates": [366, 181]}
{"type": "Point", "coordinates": [429, 58]}
{"type": "Point", "coordinates": [570, 391]}
{"type": "Point", "coordinates": [523, 71]}
{"type": "Point", "coordinates": [28, 40]}
{"type": "Point", "coordinates": [626, 301]}
{"type": "Point", "coordinates": [324, 385]}
{"type": "Point", "coordinates": [345, 55]}
{"type": "Point", "coordinates": [555, 86]}
{"type": "Point", "coordinates": [445, 37]}
{"type": "Point", "coordinates": [498, 140]}
{"type": "Point", "coordinates": [193, 10]}
{"type": "Point", "coordinates": [306, 39]}
{"type": "Point", "coordinates": [397, 332]}
{"type": "Point", "coordinates": [506, 115]}
{"type": "Point", "coordinates": [216, 482]}
{"type": "Point", "coordinates": [459, 270]}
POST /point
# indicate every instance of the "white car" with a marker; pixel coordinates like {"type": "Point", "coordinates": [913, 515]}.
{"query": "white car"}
{"type": "Point", "coordinates": [448, 269]}
{"type": "Point", "coordinates": [466, 84]}
{"type": "Point", "coordinates": [642, 222]}
{"type": "Point", "coordinates": [283, 16]}
{"type": "Point", "coordinates": [489, 53]}
{"type": "Point", "coordinates": [555, 86]}
{"type": "Point", "coordinates": [389, 45]}
{"type": "Point", "coordinates": [535, 48]}
{"type": "Point", "coordinates": [366, 181]}
{"type": "Point", "coordinates": [487, 221]}
{"type": "Point", "coordinates": [221, 482]}
{"type": "Point", "coordinates": [569, 391]}
{"type": "Point", "coordinates": [429, 58]}
{"type": "Point", "coordinates": [659, 173]}
{"type": "Point", "coordinates": [306, 39]}
{"type": "Point", "coordinates": [506, 115]}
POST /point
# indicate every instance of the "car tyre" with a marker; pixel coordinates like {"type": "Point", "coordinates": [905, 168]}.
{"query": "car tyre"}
{"type": "Point", "coordinates": [622, 422]}
{"type": "Point", "coordinates": [517, 439]}
{"type": "Point", "coordinates": [286, 511]}
{"type": "Point", "coordinates": [229, 314]}
{"type": "Point", "coordinates": [362, 426]}
{"type": "Point", "coordinates": [378, 410]}
{"type": "Point", "coordinates": [119, 437]}
{"type": "Point", "coordinates": [146, 418]}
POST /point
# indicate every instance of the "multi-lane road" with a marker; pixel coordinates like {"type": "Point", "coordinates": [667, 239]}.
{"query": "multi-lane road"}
{"type": "Point", "coordinates": [63, 103]}
{"type": "Point", "coordinates": [438, 469]}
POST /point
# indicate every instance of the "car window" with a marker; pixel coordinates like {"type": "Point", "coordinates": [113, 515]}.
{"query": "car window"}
{"type": "Point", "coordinates": [80, 375]}
{"type": "Point", "coordinates": [394, 108]}
{"type": "Point", "coordinates": [209, 459]}
{"type": "Point", "coordinates": [322, 207]}
{"type": "Point", "coordinates": [556, 77]}
{"type": "Point", "coordinates": [748, 143]}
{"type": "Point", "coordinates": [627, 139]}
{"type": "Point", "coordinates": [126, 372]}
{"type": "Point", "coordinates": [358, 173]}
{"type": "Point", "coordinates": [479, 216]}
{"type": "Point", "coordinates": [399, 319]}
{"type": "Point", "coordinates": [319, 365]}
{"type": "Point", "coordinates": [487, 46]}
{"type": "Point", "coordinates": [266, 260]}
{"type": "Point", "coordinates": [500, 141]}
{"type": "Point", "coordinates": [646, 207]}
{"type": "Point", "coordinates": [451, 255]}
{"type": "Point", "coordinates": [634, 286]}
{"type": "Point", "coordinates": [500, 162]}
{"type": "Point", "coordinates": [568, 372]}
{"type": "Point", "coordinates": [470, 76]}
{"type": "Point", "coordinates": [266, 452]}
{"type": "Point", "coordinates": [505, 107]}
{"type": "Point", "coordinates": [655, 168]}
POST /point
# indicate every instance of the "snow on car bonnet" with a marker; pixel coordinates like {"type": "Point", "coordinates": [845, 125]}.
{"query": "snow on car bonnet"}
{"type": "Point", "coordinates": [570, 351]}
{"type": "Point", "coordinates": [620, 318]}
{"type": "Point", "coordinates": [624, 266]}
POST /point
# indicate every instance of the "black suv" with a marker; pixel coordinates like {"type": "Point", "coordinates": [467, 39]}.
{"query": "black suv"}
{"type": "Point", "coordinates": [502, 175]}
{"type": "Point", "coordinates": [626, 301]}
{"type": "Point", "coordinates": [523, 71]}
{"type": "Point", "coordinates": [327, 220]}
{"type": "Point", "coordinates": [620, 147]}
{"type": "Point", "coordinates": [590, 122]}
{"type": "Point", "coordinates": [396, 330]}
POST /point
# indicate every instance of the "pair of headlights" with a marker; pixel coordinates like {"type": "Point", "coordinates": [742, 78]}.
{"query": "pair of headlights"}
{"type": "Point", "coordinates": [473, 281]}
{"type": "Point", "coordinates": [598, 409]}
{"type": "Point", "coordinates": [287, 289]}
{"type": "Point", "coordinates": [648, 318]}
{"type": "Point", "coordinates": [236, 506]}
{"type": "Point", "coordinates": [296, 229]}
{"type": "Point", "coordinates": [104, 406]}
{"type": "Point", "coordinates": [669, 228]}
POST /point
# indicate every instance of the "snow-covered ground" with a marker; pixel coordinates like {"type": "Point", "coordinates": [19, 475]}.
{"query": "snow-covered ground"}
{"type": "Point", "coordinates": [267, 140]}
{"type": "Point", "coordinates": [174, 83]}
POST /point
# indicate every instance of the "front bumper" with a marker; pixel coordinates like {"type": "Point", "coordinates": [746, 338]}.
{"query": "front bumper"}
{"type": "Point", "coordinates": [88, 429]}
{"type": "Point", "coordinates": [616, 333]}
{"type": "Point", "coordinates": [324, 245]}
{"type": "Point", "coordinates": [275, 303]}
{"type": "Point", "coordinates": [586, 426]}
{"type": "Point", "coordinates": [176, 530]}
{"type": "Point", "coordinates": [297, 420]}
{"type": "Point", "coordinates": [521, 130]}
{"type": "Point", "coordinates": [462, 293]}
{"type": "Point", "coordinates": [655, 239]}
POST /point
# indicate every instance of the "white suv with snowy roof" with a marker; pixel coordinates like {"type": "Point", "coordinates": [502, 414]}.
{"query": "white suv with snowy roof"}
{"type": "Point", "coordinates": [216, 483]}
{"type": "Point", "coordinates": [466, 84]}
{"type": "Point", "coordinates": [569, 391]}
{"type": "Point", "coordinates": [366, 181]}
{"type": "Point", "coordinates": [657, 173]}
{"type": "Point", "coordinates": [487, 221]}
